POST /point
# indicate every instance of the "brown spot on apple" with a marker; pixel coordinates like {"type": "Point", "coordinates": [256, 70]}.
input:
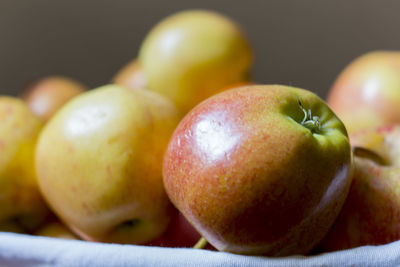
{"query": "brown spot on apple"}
{"type": "Point", "coordinates": [86, 208]}
{"type": "Point", "coordinates": [9, 110]}
{"type": "Point", "coordinates": [74, 189]}
{"type": "Point", "coordinates": [222, 181]}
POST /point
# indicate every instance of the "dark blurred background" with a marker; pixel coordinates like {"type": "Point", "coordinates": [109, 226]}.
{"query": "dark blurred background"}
{"type": "Point", "coordinates": [299, 43]}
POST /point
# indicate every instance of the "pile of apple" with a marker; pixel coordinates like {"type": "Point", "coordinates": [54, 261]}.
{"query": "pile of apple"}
{"type": "Point", "coordinates": [184, 146]}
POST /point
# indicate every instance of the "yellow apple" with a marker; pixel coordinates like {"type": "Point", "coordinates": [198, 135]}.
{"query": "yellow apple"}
{"type": "Point", "coordinates": [191, 55]}
{"type": "Point", "coordinates": [99, 162]}
{"type": "Point", "coordinates": [21, 204]}
{"type": "Point", "coordinates": [47, 95]}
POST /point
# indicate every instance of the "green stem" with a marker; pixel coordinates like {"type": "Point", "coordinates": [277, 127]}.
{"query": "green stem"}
{"type": "Point", "coordinates": [201, 243]}
{"type": "Point", "coordinates": [309, 121]}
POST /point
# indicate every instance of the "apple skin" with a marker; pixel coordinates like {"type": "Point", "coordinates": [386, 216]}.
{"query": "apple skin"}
{"type": "Point", "coordinates": [367, 92]}
{"type": "Point", "coordinates": [99, 164]}
{"type": "Point", "coordinates": [370, 215]}
{"type": "Point", "coordinates": [21, 204]}
{"type": "Point", "coordinates": [131, 76]}
{"type": "Point", "coordinates": [250, 178]}
{"type": "Point", "coordinates": [49, 94]}
{"type": "Point", "coordinates": [180, 233]}
{"type": "Point", "coordinates": [57, 230]}
{"type": "Point", "coordinates": [11, 226]}
{"type": "Point", "coordinates": [192, 54]}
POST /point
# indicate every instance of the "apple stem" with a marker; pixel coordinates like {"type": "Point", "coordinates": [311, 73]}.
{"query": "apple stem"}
{"type": "Point", "coordinates": [201, 243]}
{"type": "Point", "coordinates": [309, 121]}
{"type": "Point", "coordinates": [369, 154]}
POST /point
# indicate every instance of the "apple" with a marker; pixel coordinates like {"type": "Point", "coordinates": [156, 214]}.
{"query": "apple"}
{"type": "Point", "coordinates": [56, 229]}
{"type": "Point", "coordinates": [180, 233]}
{"type": "Point", "coordinates": [193, 54]}
{"type": "Point", "coordinates": [260, 169]}
{"type": "Point", "coordinates": [22, 207]}
{"type": "Point", "coordinates": [11, 226]}
{"type": "Point", "coordinates": [131, 76]}
{"type": "Point", "coordinates": [367, 92]}
{"type": "Point", "coordinates": [47, 95]}
{"type": "Point", "coordinates": [370, 215]}
{"type": "Point", "coordinates": [99, 164]}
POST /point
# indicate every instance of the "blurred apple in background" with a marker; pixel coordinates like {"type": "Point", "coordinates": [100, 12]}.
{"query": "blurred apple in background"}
{"type": "Point", "coordinates": [370, 215]}
{"type": "Point", "coordinates": [193, 54]}
{"type": "Point", "coordinates": [21, 204]}
{"type": "Point", "coordinates": [131, 76]}
{"type": "Point", "coordinates": [367, 92]}
{"type": "Point", "coordinates": [180, 233]}
{"type": "Point", "coordinates": [57, 230]}
{"type": "Point", "coordinates": [99, 162]}
{"type": "Point", "coordinates": [47, 95]}
{"type": "Point", "coordinates": [260, 169]}
{"type": "Point", "coordinates": [12, 226]}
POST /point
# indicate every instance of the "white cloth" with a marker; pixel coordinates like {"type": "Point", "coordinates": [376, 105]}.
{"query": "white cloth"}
{"type": "Point", "coordinates": [25, 250]}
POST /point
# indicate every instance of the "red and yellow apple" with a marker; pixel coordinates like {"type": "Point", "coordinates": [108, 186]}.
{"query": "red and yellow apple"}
{"type": "Point", "coordinates": [131, 76]}
{"type": "Point", "coordinates": [260, 169]}
{"type": "Point", "coordinates": [22, 207]}
{"type": "Point", "coordinates": [99, 164]}
{"type": "Point", "coordinates": [47, 95]}
{"type": "Point", "coordinates": [180, 233]}
{"type": "Point", "coordinates": [367, 92]}
{"type": "Point", "coordinates": [191, 55]}
{"type": "Point", "coordinates": [370, 215]}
